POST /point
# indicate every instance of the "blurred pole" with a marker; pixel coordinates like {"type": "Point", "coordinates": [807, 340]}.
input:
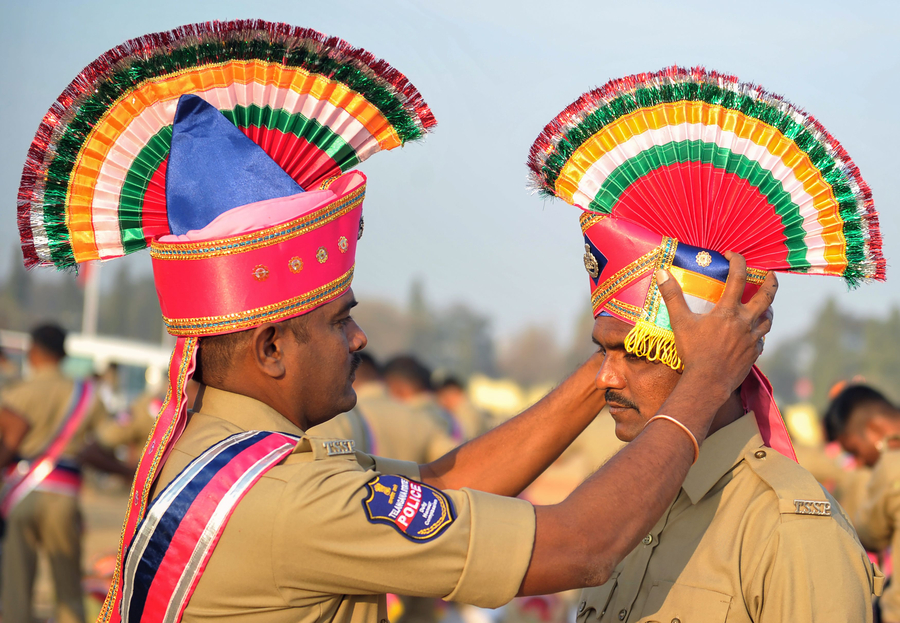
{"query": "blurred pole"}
{"type": "Point", "coordinates": [91, 299]}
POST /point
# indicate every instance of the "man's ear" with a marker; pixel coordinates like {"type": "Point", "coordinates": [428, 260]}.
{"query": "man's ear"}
{"type": "Point", "coordinates": [267, 343]}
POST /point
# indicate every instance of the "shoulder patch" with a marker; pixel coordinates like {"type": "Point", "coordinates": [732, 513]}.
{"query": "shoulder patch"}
{"type": "Point", "coordinates": [798, 492]}
{"type": "Point", "coordinates": [417, 511]}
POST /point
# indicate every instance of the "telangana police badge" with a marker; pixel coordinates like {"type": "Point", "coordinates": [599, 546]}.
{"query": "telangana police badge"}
{"type": "Point", "coordinates": [417, 511]}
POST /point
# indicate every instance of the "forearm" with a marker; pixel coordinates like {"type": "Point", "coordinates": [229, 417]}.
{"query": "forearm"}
{"type": "Point", "coordinates": [104, 460]}
{"type": "Point", "coordinates": [13, 429]}
{"type": "Point", "coordinates": [508, 458]}
{"type": "Point", "coordinates": [580, 541]}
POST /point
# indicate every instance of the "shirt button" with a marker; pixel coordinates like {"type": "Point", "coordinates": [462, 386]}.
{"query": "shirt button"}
{"type": "Point", "coordinates": [581, 607]}
{"type": "Point", "coordinates": [384, 621]}
{"type": "Point", "coordinates": [647, 540]}
{"type": "Point", "coordinates": [760, 454]}
{"type": "Point", "coordinates": [676, 620]}
{"type": "Point", "coordinates": [622, 614]}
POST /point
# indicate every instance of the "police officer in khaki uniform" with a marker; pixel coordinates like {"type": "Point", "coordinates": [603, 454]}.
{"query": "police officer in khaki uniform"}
{"type": "Point", "coordinates": [451, 395]}
{"type": "Point", "coordinates": [867, 425]}
{"type": "Point", "coordinates": [381, 425]}
{"type": "Point", "coordinates": [409, 381]}
{"type": "Point", "coordinates": [750, 536]}
{"type": "Point", "coordinates": [48, 518]}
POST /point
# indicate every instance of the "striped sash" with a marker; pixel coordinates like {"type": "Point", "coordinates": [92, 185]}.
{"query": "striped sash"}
{"type": "Point", "coordinates": [183, 524]}
{"type": "Point", "coordinates": [44, 472]}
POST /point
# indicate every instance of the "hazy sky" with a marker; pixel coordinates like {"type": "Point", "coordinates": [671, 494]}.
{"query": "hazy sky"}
{"type": "Point", "coordinates": [455, 210]}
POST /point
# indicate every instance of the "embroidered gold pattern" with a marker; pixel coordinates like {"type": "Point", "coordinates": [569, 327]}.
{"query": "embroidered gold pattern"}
{"type": "Point", "coordinates": [590, 262]}
{"type": "Point", "coordinates": [343, 245]}
{"type": "Point", "coordinates": [704, 259]}
{"type": "Point", "coordinates": [622, 278]}
{"type": "Point", "coordinates": [322, 255]}
{"type": "Point", "coordinates": [756, 276]}
{"type": "Point", "coordinates": [259, 239]}
{"type": "Point", "coordinates": [243, 320]}
{"type": "Point", "coordinates": [261, 272]}
{"type": "Point", "coordinates": [631, 312]}
{"type": "Point", "coordinates": [666, 256]}
{"type": "Point", "coordinates": [327, 182]}
{"type": "Point", "coordinates": [589, 219]}
{"type": "Point", "coordinates": [296, 265]}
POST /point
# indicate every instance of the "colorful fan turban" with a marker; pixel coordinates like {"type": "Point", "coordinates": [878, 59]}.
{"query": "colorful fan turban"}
{"type": "Point", "coordinates": [674, 168]}
{"type": "Point", "coordinates": [227, 148]}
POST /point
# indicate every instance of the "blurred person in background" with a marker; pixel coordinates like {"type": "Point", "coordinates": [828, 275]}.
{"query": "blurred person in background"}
{"type": "Point", "coordinates": [836, 470]}
{"type": "Point", "coordinates": [409, 381]}
{"type": "Point", "coordinates": [381, 425]}
{"type": "Point", "coordinates": [451, 395]}
{"type": "Point", "coordinates": [867, 425]}
{"type": "Point", "coordinates": [39, 499]}
{"type": "Point", "coordinates": [9, 371]}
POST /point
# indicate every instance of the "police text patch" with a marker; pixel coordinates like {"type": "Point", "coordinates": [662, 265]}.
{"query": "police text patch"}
{"type": "Point", "coordinates": [417, 511]}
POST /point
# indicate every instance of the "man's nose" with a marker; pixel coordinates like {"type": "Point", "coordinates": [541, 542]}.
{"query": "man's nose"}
{"type": "Point", "coordinates": [610, 376]}
{"type": "Point", "coordinates": [358, 339]}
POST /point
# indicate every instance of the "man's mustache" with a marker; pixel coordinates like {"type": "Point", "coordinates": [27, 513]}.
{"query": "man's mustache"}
{"type": "Point", "coordinates": [354, 363]}
{"type": "Point", "coordinates": [620, 400]}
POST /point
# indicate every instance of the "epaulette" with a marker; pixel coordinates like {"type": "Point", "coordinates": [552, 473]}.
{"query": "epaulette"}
{"type": "Point", "coordinates": [330, 448]}
{"type": "Point", "coordinates": [798, 492]}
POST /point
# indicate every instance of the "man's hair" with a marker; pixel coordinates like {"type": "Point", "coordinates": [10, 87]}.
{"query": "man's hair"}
{"type": "Point", "coordinates": [51, 339]}
{"type": "Point", "coordinates": [450, 382]}
{"type": "Point", "coordinates": [368, 365]}
{"type": "Point", "coordinates": [409, 369]}
{"type": "Point", "coordinates": [845, 403]}
{"type": "Point", "coordinates": [216, 352]}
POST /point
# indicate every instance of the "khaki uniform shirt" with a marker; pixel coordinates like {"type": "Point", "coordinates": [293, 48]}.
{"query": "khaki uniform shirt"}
{"type": "Point", "coordinates": [472, 420]}
{"type": "Point", "coordinates": [737, 546]}
{"type": "Point", "coordinates": [43, 400]}
{"type": "Point", "coordinates": [299, 546]}
{"type": "Point", "coordinates": [878, 524]}
{"type": "Point", "coordinates": [136, 429]}
{"type": "Point", "coordinates": [386, 427]}
{"type": "Point", "coordinates": [426, 404]}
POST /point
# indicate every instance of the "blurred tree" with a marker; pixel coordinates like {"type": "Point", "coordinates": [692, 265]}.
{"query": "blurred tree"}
{"type": "Point", "coordinates": [532, 357]}
{"type": "Point", "coordinates": [782, 366]}
{"type": "Point", "coordinates": [581, 347]}
{"type": "Point", "coordinates": [836, 341]}
{"type": "Point", "coordinates": [880, 363]}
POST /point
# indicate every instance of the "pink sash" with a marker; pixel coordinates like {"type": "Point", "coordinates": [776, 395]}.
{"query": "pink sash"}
{"type": "Point", "coordinates": [756, 394]}
{"type": "Point", "coordinates": [42, 472]}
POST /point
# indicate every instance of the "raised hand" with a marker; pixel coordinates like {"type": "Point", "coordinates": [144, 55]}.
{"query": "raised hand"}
{"type": "Point", "coordinates": [722, 345]}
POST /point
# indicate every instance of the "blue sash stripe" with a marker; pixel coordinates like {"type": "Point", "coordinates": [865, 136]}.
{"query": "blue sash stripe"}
{"type": "Point", "coordinates": [686, 258]}
{"type": "Point", "coordinates": [159, 542]}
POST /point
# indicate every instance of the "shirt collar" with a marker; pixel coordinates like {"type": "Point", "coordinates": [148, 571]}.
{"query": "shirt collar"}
{"type": "Point", "coordinates": [720, 453]}
{"type": "Point", "coordinates": [242, 411]}
{"type": "Point", "coordinates": [46, 372]}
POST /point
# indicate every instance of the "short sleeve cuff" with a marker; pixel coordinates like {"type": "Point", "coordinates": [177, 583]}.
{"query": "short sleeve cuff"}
{"type": "Point", "coordinates": [500, 544]}
{"type": "Point", "coordinates": [407, 469]}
